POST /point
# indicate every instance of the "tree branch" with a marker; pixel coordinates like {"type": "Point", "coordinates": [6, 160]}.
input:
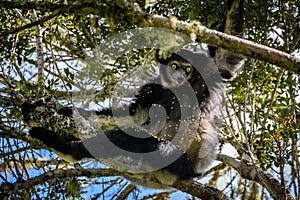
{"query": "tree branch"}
{"type": "Point", "coordinates": [30, 25]}
{"type": "Point", "coordinates": [8, 132]}
{"type": "Point", "coordinates": [9, 188]}
{"type": "Point", "coordinates": [200, 190]}
{"type": "Point", "coordinates": [255, 173]}
{"type": "Point", "coordinates": [219, 39]}
{"type": "Point", "coordinates": [140, 18]}
{"type": "Point", "coordinates": [190, 186]}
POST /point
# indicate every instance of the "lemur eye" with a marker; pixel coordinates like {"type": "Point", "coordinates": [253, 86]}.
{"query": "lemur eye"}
{"type": "Point", "coordinates": [174, 66]}
{"type": "Point", "coordinates": [188, 69]}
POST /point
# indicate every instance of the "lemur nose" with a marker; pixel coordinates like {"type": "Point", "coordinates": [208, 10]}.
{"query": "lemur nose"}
{"type": "Point", "coordinates": [180, 79]}
{"type": "Point", "coordinates": [179, 76]}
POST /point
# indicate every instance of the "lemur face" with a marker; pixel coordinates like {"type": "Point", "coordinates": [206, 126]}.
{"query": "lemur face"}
{"type": "Point", "coordinates": [176, 73]}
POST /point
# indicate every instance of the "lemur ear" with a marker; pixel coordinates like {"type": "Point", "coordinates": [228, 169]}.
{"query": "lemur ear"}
{"type": "Point", "coordinates": [212, 51]}
{"type": "Point", "coordinates": [162, 56]}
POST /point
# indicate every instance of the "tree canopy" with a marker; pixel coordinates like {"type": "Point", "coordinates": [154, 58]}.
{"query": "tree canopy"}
{"type": "Point", "coordinates": [44, 43]}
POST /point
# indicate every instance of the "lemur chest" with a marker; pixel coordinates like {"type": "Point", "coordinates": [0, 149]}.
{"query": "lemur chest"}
{"type": "Point", "coordinates": [174, 113]}
{"type": "Point", "coordinates": [175, 105]}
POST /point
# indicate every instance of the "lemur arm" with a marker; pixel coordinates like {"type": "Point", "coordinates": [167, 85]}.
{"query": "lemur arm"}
{"type": "Point", "coordinates": [228, 63]}
{"type": "Point", "coordinates": [143, 99]}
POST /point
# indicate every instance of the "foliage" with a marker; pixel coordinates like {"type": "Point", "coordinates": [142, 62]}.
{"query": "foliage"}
{"type": "Point", "coordinates": [261, 113]}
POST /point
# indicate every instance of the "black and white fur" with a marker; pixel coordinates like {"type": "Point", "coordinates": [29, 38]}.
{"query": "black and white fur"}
{"type": "Point", "coordinates": [177, 127]}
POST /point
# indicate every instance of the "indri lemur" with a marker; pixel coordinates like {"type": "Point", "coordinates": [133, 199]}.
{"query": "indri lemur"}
{"type": "Point", "coordinates": [182, 136]}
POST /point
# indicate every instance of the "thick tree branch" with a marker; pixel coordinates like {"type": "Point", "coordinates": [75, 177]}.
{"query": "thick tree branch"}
{"type": "Point", "coordinates": [200, 190]}
{"type": "Point", "coordinates": [219, 39]}
{"type": "Point", "coordinates": [255, 173]}
{"type": "Point", "coordinates": [190, 186]}
{"type": "Point", "coordinates": [137, 17]}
